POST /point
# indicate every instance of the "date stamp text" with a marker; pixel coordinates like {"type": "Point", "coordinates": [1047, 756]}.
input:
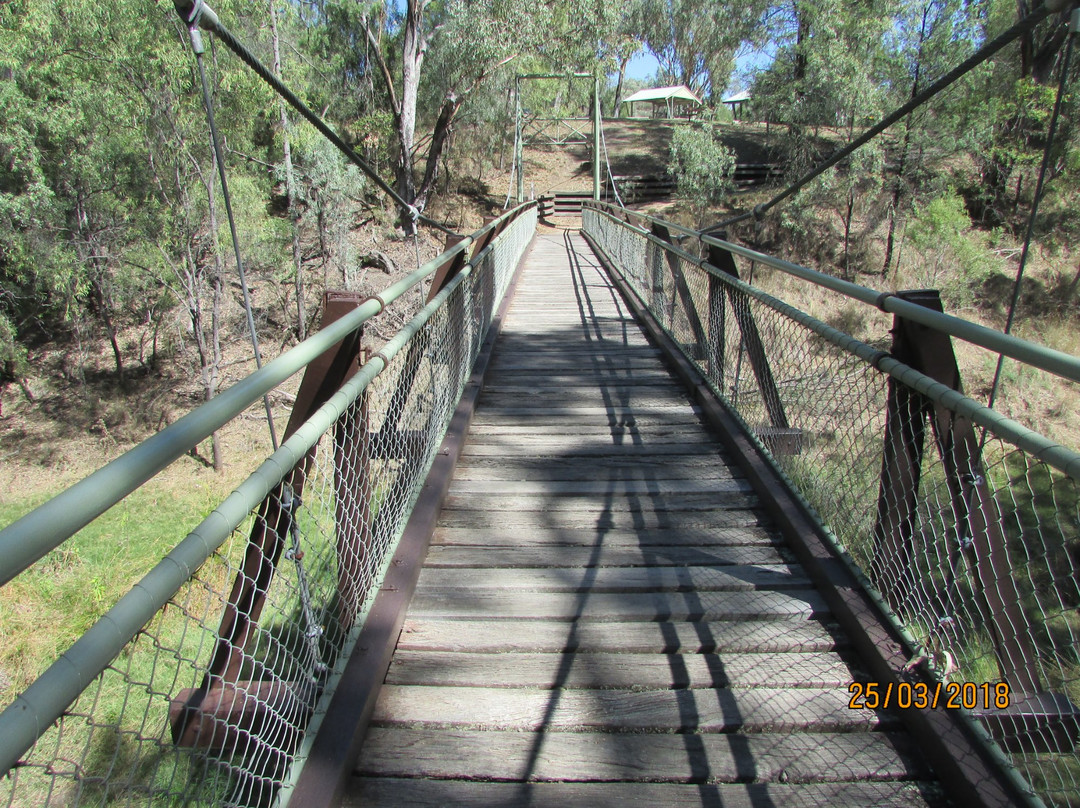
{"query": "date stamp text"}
{"type": "Point", "coordinates": [920, 695]}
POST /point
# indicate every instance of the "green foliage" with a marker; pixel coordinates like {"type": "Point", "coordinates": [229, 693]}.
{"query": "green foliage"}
{"type": "Point", "coordinates": [954, 257]}
{"type": "Point", "coordinates": [703, 167]}
{"type": "Point", "coordinates": [696, 41]}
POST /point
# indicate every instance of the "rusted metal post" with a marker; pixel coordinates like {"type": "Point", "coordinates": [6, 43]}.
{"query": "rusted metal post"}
{"type": "Point", "coordinates": [654, 258]}
{"type": "Point", "coordinates": [901, 467]}
{"type": "Point", "coordinates": [353, 504]}
{"type": "Point", "coordinates": [755, 349]}
{"type": "Point", "coordinates": [699, 348]}
{"type": "Point", "coordinates": [977, 530]}
{"type": "Point", "coordinates": [717, 332]}
{"type": "Point", "coordinates": [267, 540]}
{"type": "Point", "coordinates": [445, 273]}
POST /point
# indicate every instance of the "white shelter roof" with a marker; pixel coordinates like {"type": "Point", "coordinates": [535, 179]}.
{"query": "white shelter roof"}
{"type": "Point", "coordinates": [682, 93]}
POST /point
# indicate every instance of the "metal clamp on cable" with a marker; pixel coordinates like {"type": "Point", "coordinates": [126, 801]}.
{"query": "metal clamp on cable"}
{"type": "Point", "coordinates": [414, 217]}
{"type": "Point", "coordinates": [196, 14]}
{"type": "Point", "coordinates": [875, 360]}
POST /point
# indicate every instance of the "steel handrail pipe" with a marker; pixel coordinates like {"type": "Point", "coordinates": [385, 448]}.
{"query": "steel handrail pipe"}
{"type": "Point", "coordinates": [50, 695]}
{"type": "Point", "coordinates": [46, 527]}
{"type": "Point", "coordinates": [1053, 454]}
{"type": "Point", "coordinates": [1049, 359]}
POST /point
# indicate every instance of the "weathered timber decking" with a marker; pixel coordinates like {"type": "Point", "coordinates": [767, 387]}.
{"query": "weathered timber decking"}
{"type": "Point", "coordinates": [606, 616]}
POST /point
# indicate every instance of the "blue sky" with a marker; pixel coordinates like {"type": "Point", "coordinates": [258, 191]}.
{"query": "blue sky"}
{"type": "Point", "coordinates": [644, 65]}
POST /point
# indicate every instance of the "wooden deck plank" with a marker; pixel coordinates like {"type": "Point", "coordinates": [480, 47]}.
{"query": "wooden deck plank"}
{"type": "Point", "coordinates": [583, 447]}
{"type": "Point", "coordinates": [717, 710]}
{"type": "Point", "coordinates": [609, 521]}
{"type": "Point", "coordinates": [636, 671]}
{"type": "Point", "coordinates": [615, 433]}
{"type": "Point", "coordinates": [729, 529]}
{"type": "Point", "coordinates": [628, 757]}
{"type": "Point", "coordinates": [421, 793]}
{"type": "Point", "coordinates": [631, 606]}
{"type": "Point", "coordinates": [585, 488]}
{"type": "Point", "coordinates": [732, 637]}
{"type": "Point", "coordinates": [609, 395]}
{"type": "Point", "coordinates": [639, 418]}
{"type": "Point", "coordinates": [598, 580]}
{"type": "Point", "coordinates": [602, 502]}
{"type": "Point", "coordinates": [580, 558]}
{"type": "Point", "coordinates": [595, 468]}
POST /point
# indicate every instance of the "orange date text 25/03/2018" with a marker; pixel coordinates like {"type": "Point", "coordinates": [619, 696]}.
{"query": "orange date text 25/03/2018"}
{"type": "Point", "coordinates": [920, 695]}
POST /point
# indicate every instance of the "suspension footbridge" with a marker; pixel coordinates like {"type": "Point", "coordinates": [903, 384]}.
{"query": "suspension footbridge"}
{"type": "Point", "coordinates": [607, 614]}
{"type": "Point", "coordinates": [604, 523]}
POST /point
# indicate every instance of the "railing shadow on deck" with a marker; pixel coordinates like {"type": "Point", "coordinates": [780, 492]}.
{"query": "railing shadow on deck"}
{"type": "Point", "coordinates": [642, 515]}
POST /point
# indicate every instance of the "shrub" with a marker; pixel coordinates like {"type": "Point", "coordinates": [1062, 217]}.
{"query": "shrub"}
{"type": "Point", "coordinates": [703, 167]}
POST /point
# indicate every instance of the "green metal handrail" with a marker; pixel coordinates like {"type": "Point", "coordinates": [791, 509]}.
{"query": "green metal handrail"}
{"type": "Point", "coordinates": [46, 699]}
{"type": "Point", "coordinates": [1051, 453]}
{"type": "Point", "coordinates": [1048, 359]}
{"type": "Point", "coordinates": [45, 528]}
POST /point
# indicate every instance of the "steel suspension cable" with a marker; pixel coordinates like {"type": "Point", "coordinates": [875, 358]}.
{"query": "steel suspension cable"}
{"type": "Point", "coordinates": [513, 169]}
{"type": "Point", "coordinates": [1051, 132]}
{"type": "Point", "coordinates": [199, 14]}
{"type": "Point", "coordinates": [969, 64]}
{"type": "Point", "coordinates": [219, 157]}
{"type": "Point", "coordinates": [607, 162]}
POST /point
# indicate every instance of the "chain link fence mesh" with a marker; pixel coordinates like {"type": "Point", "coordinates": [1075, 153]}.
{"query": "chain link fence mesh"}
{"type": "Point", "coordinates": [972, 540]}
{"type": "Point", "coordinates": [210, 702]}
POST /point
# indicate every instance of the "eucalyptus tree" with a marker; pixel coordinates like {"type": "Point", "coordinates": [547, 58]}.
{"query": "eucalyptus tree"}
{"type": "Point", "coordinates": [928, 38]}
{"type": "Point", "coordinates": [1005, 115]}
{"type": "Point", "coordinates": [468, 41]}
{"type": "Point", "coordinates": [74, 176]}
{"type": "Point", "coordinates": [696, 41]}
{"type": "Point", "coordinates": [108, 206]}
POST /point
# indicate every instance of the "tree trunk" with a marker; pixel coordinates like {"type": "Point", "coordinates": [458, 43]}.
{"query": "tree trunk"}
{"type": "Point", "coordinates": [414, 47]}
{"type": "Point", "coordinates": [443, 128]}
{"type": "Point", "coordinates": [290, 186]}
{"type": "Point", "coordinates": [898, 186]}
{"type": "Point", "coordinates": [847, 233]}
{"type": "Point", "coordinates": [802, 33]}
{"type": "Point", "coordinates": [619, 86]}
{"type": "Point", "coordinates": [210, 378]}
{"type": "Point", "coordinates": [1041, 46]}
{"type": "Point", "coordinates": [103, 304]}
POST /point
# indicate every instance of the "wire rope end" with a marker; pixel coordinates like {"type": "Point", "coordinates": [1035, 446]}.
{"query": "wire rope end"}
{"type": "Point", "coordinates": [412, 216]}
{"type": "Point", "coordinates": [196, 14]}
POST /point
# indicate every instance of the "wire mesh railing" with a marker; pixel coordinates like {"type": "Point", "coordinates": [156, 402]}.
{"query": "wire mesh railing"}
{"type": "Point", "coordinates": [966, 523]}
{"type": "Point", "coordinates": [203, 685]}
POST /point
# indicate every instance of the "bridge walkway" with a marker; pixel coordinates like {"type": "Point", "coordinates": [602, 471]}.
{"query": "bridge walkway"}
{"type": "Point", "coordinates": [606, 616]}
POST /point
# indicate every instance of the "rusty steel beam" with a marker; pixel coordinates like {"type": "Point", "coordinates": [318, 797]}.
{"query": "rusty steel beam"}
{"type": "Point", "coordinates": [323, 378]}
